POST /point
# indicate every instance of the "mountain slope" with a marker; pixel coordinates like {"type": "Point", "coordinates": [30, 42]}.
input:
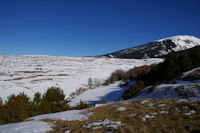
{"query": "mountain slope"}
{"type": "Point", "coordinates": [157, 48]}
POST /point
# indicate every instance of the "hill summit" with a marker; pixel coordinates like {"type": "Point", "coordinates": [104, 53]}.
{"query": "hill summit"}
{"type": "Point", "coordinates": [158, 48]}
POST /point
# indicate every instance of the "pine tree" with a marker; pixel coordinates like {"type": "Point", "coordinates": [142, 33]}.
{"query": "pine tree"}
{"type": "Point", "coordinates": [195, 56]}
{"type": "Point", "coordinates": [36, 103]}
{"type": "Point", "coordinates": [53, 101]}
{"type": "Point", "coordinates": [185, 62]}
{"type": "Point", "coordinates": [96, 82]}
{"type": "Point", "coordinates": [133, 89]}
{"type": "Point", "coordinates": [170, 71]}
{"type": "Point", "coordinates": [37, 99]}
{"type": "Point", "coordinates": [17, 108]}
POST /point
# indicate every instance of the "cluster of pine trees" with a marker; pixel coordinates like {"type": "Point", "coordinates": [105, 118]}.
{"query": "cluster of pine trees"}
{"type": "Point", "coordinates": [173, 66]}
{"type": "Point", "coordinates": [19, 107]}
{"type": "Point", "coordinates": [133, 90]}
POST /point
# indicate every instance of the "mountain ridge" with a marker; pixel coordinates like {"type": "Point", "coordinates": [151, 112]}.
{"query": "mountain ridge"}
{"type": "Point", "coordinates": [157, 48]}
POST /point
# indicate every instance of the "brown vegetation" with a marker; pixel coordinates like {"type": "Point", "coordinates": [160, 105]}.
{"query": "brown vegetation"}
{"type": "Point", "coordinates": [131, 74]}
{"type": "Point", "coordinates": [174, 121]}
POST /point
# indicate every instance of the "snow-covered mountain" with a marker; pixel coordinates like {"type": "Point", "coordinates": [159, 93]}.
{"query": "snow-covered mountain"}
{"type": "Point", "coordinates": [158, 48]}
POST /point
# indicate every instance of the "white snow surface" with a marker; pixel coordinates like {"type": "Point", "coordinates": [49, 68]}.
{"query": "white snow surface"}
{"type": "Point", "coordinates": [107, 123]}
{"type": "Point", "coordinates": [31, 74]}
{"type": "Point", "coordinates": [164, 112]}
{"type": "Point", "coordinates": [183, 42]}
{"type": "Point", "coordinates": [110, 93]}
{"type": "Point", "coordinates": [121, 109]}
{"type": "Point", "coordinates": [26, 127]}
{"type": "Point", "coordinates": [147, 117]}
{"type": "Point", "coordinates": [71, 115]}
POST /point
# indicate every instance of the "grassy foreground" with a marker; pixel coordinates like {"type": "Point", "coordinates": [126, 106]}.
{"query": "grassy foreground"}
{"type": "Point", "coordinates": [141, 116]}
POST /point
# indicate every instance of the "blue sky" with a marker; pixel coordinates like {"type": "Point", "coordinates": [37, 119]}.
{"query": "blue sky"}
{"type": "Point", "coordinates": [91, 27]}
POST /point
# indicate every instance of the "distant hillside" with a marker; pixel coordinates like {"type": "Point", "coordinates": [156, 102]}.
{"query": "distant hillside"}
{"type": "Point", "coordinates": [157, 48]}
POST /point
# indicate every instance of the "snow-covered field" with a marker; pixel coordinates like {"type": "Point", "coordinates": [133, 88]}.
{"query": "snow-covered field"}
{"type": "Point", "coordinates": [31, 74]}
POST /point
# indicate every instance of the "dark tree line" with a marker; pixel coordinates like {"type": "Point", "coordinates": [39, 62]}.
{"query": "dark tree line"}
{"type": "Point", "coordinates": [19, 107]}
{"type": "Point", "coordinates": [173, 66]}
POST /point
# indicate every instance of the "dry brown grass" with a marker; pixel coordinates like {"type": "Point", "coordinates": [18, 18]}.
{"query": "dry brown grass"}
{"type": "Point", "coordinates": [39, 80]}
{"type": "Point", "coordinates": [174, 121]}
{"type": "Point", "coordinates": [20, 78]}
{"type": "Point", "coordinates": [63, 75]}
{"type": "Point", "coordinates": [35, 76]}
{"type": "Point", "coordinates": [30, 71]}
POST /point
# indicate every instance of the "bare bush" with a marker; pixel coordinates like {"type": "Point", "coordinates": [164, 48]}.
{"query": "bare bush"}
{"type": "Point", "coordinates": [97, 82]}
{"type": "Point", "coordinates": [103, 100]}
{"type": "Point", "coordinates": [78, 92]}
{"type": "Point", "coordinates": [137, 71]}
{"type": "Point", "coordinates": [115, 76]}
{"type": "Point", "coordinates": [90, 83]}
{"type": "Point", "coordinates": [131, 74]}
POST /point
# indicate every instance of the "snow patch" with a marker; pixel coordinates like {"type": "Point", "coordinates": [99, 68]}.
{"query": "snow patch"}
{"type": "Point", "coordinates": [121, 109]}
{"type": "Point", "coordinates": [191, 71]}
{"type": "Point", "coordinates": [143, 102]}
{"type": "Point", "coordinates": [132, 115]}
{"type": "Point", "coordinates": [182, 100]}
{"type": "Point", "coordinates": [145, 117]}
{"type": "Point", "coordinates": [26, 127]}
{"type": "Point", "coordinates": [151, 105]}
{"type": "Point", "coordinates": [161, 105]}
{"type": "Point", "coordinates": [164, 112]}
{"type": "Point", "coordinates": [190, 113]}
{"type": "Point", "coordinates": [106, 123]}
{"type": "Point", "coordinates": [71, 115]}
